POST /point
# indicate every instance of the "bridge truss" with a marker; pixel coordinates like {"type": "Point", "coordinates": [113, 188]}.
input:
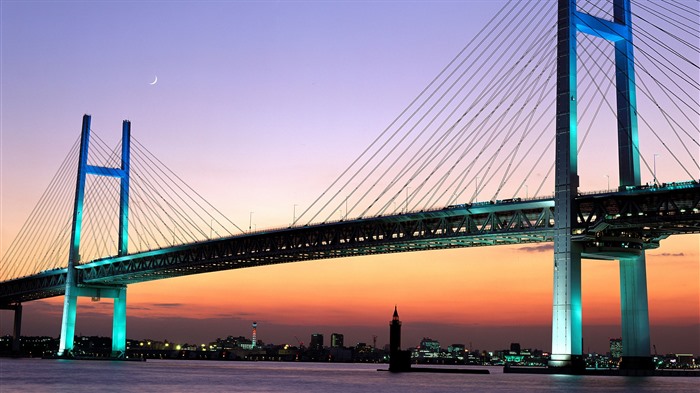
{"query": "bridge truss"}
{"type": "Point", "coordinates": [638, 217]}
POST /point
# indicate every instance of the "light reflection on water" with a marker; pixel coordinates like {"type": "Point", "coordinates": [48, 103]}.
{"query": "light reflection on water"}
{"type": "Point", "coordinates": [77, 376]}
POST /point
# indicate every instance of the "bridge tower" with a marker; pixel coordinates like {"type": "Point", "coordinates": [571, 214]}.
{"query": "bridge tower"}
{"type": "Point", "coordinates": [74, 288]}
{"type": "Point", "coordinates": [569, 246]}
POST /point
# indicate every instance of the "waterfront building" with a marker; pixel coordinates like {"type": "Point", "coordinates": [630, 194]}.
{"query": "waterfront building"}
{"type": "Point", "coordinates": [316, 341]}
{"type": "Point", "coordinates": [456, 349]}
{"type": "Point", "coordinates": [395, 333]}
{"type": "Point", "coordinates": [429, 348]}
{"type": "Point", "coordinates": [515, 348]}
{"type": "Point", "coordinates": [615, 348]}
{"type": "Point", "coordinates": [336, 340]}
{"type": "Point", "coordinates": [398, 360]}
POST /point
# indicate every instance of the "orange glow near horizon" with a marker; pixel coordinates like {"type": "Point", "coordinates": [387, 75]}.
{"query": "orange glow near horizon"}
{"type": "Point", "coordinates": [449, 294]}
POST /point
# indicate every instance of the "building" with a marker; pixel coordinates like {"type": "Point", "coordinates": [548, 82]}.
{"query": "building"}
{"type": "Point", "coordinates": [429, 345]}
{"type": "Point", "coordinates": [615, 348]}
{"type": "Point", "coordinates": [244, 343]}
{"type": "Point", "coordinates": [337, 340]}
{"type": "Point", "coordinates": [398, 360]}
{"type": "Point", "coordinates": [340, 354]}
{"type": "Point", "coordinates": [255, 334]}
{"type": "Point", "coordinates": [395, 333]}
{"type": "Point", "coordinates": [456, 349]}
{"type": "Point", "coordinates": [683, 360]}
{"type": "Point", "coordinates": [515, 348]}
{"type": "Point", "coordinates": [516, 355]}
{"type": "Point", "coordinates": [316, 341]}
{"type": "Point", "coordinates": [456, 352]}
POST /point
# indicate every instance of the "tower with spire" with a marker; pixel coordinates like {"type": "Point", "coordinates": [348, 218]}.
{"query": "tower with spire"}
{"type": "Point", "coordinates": [255, 334]}
{"type": "Point", "coordinates": [398, 360]}
{"type": "Point", "coordinates": [394, 334]}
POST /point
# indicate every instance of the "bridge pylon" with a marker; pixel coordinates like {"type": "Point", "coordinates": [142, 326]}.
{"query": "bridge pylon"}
{"type": "Point", "coordinates": [569, 246]}
{"type": "Point", "coordinates": [74, 288]}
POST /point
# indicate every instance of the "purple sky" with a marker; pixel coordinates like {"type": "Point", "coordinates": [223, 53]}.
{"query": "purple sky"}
{"type": "Point", "coordinates": [254, 94]}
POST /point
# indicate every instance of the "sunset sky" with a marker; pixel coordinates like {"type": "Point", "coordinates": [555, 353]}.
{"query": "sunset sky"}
{"type": "Point", "coordinates": [259, 106]}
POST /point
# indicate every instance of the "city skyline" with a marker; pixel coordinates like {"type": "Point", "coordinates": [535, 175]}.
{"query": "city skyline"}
{"type": "Point", "coordinates": [596, 341]}
{"type": "Point", "coordinates": [273, 101]}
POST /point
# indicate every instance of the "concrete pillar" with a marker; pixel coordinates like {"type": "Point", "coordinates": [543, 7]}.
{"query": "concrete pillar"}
{"type": "Point", "coordinates": [70, 304]}
{"type": "Point", "coordinates": [566, 309]}
{"type": "Point", "coordinates": [636, 351]}
{"type": "Point", "coordinates": [119, 324]}
{"type": "Point", "coordinates": [566, 314]}
{"type": "Point", "coordinates": [17, 330]}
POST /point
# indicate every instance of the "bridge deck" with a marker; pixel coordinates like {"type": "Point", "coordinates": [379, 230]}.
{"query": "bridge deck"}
{"type": "Point", "coordinates": [653, 213]}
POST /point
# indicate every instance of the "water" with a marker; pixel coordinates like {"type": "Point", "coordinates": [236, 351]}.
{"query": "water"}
{"type": "Point", "coordinates": [173, 376]}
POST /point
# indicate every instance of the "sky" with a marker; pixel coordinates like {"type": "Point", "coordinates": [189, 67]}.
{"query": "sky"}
{"type": "Point", "coordinates": [259, 106]}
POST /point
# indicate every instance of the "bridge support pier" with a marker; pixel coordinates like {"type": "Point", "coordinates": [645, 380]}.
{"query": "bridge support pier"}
{"type": "Point", "coordinates": [636, 345]}
{"type": "Point", "coordinates": [16, 328]}
{"type": "Point", "coordinates": [70, 304]}
{"type": "Point", "coordinates": [118, 318]}
{"type": "Point", "coordinates": [119, 324]}
{"type": "Point", "coordinates": [567, 344]}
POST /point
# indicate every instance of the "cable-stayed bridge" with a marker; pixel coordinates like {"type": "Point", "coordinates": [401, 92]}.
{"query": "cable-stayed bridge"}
{"type": "Point", "coordinates": [663, 210]}
{"type": "Point", "coordinates": [421, 184]}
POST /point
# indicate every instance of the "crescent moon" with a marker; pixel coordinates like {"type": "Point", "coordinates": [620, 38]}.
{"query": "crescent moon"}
{"type": "Point", "coordinates": [154, 81]}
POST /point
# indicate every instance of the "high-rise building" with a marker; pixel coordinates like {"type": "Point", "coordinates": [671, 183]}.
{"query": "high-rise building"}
{"type": "Point", "coordinates": [316, 341]}
{"type": "Point", "coordinates": [615, 348]}
{"type": "Point", "coordinates": [255, 334]}
{"type": "Point", "coordinates": [336, 340]}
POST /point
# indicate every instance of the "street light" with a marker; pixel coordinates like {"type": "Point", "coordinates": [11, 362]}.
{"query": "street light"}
{"type": "Point", "coordinates": [608, 176]}
{"type": "Point", "coordinates": [250, 223]}
{"type": "Point", "coordinates": [294, 215]}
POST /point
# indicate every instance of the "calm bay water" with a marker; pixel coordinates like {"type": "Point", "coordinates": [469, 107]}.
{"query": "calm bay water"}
{"type": "Point", "coordinates": [76, 376]}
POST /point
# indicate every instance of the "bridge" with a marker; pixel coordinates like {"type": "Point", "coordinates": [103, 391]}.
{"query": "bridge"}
{"type": "Point", "coordinates": [616, 224]}
{"type": "Point", "coordinates": [663, 210]}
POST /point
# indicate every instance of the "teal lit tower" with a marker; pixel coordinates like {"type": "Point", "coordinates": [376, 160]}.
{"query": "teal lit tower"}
{"type": "Point", "coordinates": [73, 287]}
{"type": "Point", "coordinates": [570, 244]}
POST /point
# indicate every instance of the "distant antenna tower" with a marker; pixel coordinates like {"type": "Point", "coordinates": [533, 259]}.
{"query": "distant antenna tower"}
{"type": "Point", "coordinates": [255, 333]}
